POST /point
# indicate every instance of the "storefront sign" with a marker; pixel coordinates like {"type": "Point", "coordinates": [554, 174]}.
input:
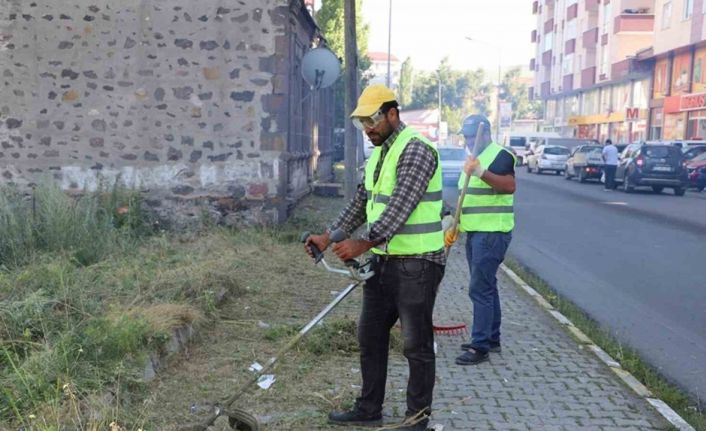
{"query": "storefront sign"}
{"type": "Point", "coordinates": [632, 114]}
{"type": "Point", "coordinates": [692, 102]}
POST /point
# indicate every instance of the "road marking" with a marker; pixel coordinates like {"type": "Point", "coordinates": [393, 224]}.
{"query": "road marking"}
{"type": "Point", "coordinates": [615, 203]}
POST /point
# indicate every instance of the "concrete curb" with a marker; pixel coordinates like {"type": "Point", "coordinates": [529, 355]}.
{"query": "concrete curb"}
{"type": "Point", "coordinates": [640, 390]}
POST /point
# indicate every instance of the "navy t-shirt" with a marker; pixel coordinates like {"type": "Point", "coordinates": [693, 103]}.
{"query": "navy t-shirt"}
{"type": "Point", "coordinates": [504, 164]}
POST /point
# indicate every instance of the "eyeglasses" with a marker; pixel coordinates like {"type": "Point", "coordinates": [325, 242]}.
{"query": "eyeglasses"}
{"type": "Point", "coordinates": [362, 123]}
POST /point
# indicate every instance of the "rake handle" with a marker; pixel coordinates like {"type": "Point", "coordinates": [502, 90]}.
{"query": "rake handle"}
{"type": "Point", "coordinates": [466, 180]}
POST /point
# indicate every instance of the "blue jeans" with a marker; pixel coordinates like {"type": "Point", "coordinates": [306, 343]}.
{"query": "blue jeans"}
{"type": "Point", "coordinates": [485, 251]}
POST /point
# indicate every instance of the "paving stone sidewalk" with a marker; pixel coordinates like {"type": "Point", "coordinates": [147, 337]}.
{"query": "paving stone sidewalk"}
{"type": "Point", "coordinates": [542, 380]}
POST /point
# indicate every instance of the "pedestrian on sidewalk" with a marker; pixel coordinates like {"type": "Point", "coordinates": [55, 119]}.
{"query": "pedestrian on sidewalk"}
{"type": "Point", "coordinates": [488, 218]}
{"type": "Point", "coordinates": [610, 160]}
{"type": "Point", "coordinates": [400, 201]}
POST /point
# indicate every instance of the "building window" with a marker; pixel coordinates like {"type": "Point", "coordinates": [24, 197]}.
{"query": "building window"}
{"type": "Point", "coordinates": [607, 17]}
{"type": "Point", "coordinates": [666, 15]}
{"type": "Point", "coordinates": [570, 32]}
{"type": "Point", "coordinates": [548, 41]}
{"type": "Point", "coordinates": [604, 61]}
{"type": "Point", "coordinates": [567, 66]}
{"type": "Point", "coordinates": [688, 8]}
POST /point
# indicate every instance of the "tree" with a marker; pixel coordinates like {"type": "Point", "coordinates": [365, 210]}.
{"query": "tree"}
{"type": "Point", "coordinates": [513, 90]}
{"type": "Point", "coordinates": [406, 82]}
{"type": "Point", "coordinates": [330, 19]}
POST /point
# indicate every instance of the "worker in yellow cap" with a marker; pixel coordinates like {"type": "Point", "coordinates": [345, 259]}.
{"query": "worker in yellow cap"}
{"type": "Point", "coordinates": [399, 201]}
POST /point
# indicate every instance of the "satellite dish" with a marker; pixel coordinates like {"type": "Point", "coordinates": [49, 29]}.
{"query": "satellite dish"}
{"type": "Point", "coordinates": [320, 68]}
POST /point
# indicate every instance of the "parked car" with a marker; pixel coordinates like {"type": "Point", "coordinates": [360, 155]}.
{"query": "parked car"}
{"type": "Point", "coordinates": [652, 165]}
{"type": "Point", "coordinates": [585, 162]}
{"type": "Point", "coordinates": [518, 146]}
{"type": "Point", "coordinates": [696, 171]}
{"type": "Point", "coordinates": [548, 158]}
{"type": "Point", "coordinates": [452, 159]}
{"type": "Point", "coordinates": [520, 142]}
{"type": "Point", "coordinates": [694, 151]}
{"type": "Point", "coordinates": [701, 180]}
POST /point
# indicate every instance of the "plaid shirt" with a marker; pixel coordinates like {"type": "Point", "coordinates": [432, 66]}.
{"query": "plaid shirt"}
{"type": "Point", "coordinates": [415, 168]}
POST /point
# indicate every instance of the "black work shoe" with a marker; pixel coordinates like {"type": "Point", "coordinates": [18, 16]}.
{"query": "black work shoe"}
{"type": "Point", "coordinates": [471, 357]}
{"type": "Point", "coordinates": [354, 417]}
{"type": "Point", "coordinates": [494, 348]}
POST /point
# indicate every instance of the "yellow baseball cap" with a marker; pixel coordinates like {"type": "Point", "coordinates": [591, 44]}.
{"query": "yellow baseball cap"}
{"type": "Point", "coordinates": [372, 99]}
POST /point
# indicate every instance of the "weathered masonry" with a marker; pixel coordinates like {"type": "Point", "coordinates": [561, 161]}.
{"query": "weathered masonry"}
{"type": "Point", "coordinates": [200, 104]}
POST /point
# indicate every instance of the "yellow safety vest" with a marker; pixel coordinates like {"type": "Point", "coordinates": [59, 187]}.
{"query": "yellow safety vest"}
{"type": "Point", "coordinates": [483, 209]}
{"type": "Point", "coordinates": [422, 232]}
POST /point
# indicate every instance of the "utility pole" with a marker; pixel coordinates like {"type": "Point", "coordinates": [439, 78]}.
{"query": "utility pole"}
{"type": "Point", "coordinates": [351, 94]}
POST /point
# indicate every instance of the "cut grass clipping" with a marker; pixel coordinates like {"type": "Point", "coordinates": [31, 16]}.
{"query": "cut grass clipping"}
{"type": "Point", "coordinates": [630, 360]}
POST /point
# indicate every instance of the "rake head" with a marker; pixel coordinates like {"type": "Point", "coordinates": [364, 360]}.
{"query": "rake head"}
{"type": "Point", "coordinates": [460, 329]}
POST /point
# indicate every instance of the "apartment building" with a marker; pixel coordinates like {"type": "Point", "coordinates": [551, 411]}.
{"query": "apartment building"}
{"type": "Point", "coordinates": [590, 68]}
{"type": "Point", "coordinates": [678, 99]}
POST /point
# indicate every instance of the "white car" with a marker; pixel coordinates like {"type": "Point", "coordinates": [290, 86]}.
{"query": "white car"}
{"type": "Point", "coordinates": [548, 158]}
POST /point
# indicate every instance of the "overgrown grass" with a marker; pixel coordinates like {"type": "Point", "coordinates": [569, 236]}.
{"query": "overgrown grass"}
{"type": "Point", "coordinates": [692, 411]}
{"type": "Point", "coordinates": [87, 228]}
{"type": "Point", "coordinates": [87, 290]}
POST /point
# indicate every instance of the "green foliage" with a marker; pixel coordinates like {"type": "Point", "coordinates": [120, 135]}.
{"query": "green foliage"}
{"type": "Point", "coordinates": [88, 227]}
{"type": "Point", "coordinates": [331, 20]}
{"type": "Point", "coordinates": [462, 93]}
{"type": "Point", "coordinates": [406, 83]}
{"type": "Point", "coordinates": [514, 91]}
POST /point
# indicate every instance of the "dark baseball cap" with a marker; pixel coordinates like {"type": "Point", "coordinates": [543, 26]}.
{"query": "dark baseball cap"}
{"type": "Point", "coordinates": [471, 123]}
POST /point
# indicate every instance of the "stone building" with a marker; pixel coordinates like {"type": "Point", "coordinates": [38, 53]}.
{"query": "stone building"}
{"type": "Point", "coordinates": [200, 105]}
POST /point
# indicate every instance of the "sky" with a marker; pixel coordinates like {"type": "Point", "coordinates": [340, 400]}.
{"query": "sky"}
{"type": "Point", "coordinates": [429, 30]}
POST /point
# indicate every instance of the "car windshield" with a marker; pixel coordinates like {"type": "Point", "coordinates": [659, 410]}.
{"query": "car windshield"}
{"type": "Point", "coordinates": [661, 151]}
{"type": "Point", "coordinates": [517, 142]}
{"type": "Point", "coordinates": [556, 151]}
{"type": "Point", "coordinates": [591, 150]}
{"type": "Point", "coordinates": [452, 154]}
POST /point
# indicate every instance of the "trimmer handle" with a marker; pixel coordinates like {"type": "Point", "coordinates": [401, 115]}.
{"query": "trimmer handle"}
{"type": "Point", "coordinates": [318, 255]}
{"type": "Point", "coordinates": [339, 235]}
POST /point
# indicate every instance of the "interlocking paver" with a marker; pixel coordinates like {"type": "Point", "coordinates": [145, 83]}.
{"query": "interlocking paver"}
{"type": "Point", "coordinates": [543, 379]}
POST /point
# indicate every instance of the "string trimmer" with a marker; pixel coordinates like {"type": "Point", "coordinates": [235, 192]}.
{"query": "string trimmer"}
{"type": "Point", "coordinates": [243, 421]}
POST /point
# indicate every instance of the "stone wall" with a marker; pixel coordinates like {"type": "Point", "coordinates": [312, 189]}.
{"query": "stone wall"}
{"type": "Point", "coordinates": [197, 103]}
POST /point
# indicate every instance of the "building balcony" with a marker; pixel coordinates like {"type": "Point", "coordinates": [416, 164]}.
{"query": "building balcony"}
{"type": "Point", "coordinates": [535, 7]}
{"type": "Point", "coordinates": [634, 22]}
{"type": "Point", "coordinates": [572, 11]}
{"type": "Point", "coordinates": [570, 46]}
{"type": "Point", "coordinates": [549, 26]}
{"type": "Point", "coordinates": [628, 66]}
{"type": "Point", "coordinates": [547, 58]}
{"type": "Point", "coordinates": [588, 77]}
{"type": "Point", "coordinates": [546, 89]}
{"type": "Point", "coordinates": [534, 36]}
{"type": "Point", "coordinates": [533, 64]}
{"type": "Point", "coordinates": [567, 83]}
{"type": "Point", "coordinates": [591, 6]}
{"type": "Point", "coordinates": [590, 38]}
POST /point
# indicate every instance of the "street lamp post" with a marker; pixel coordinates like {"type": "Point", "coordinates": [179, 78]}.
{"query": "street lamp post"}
{"type": "Point", "coordinates": [438, 122]}
{"type": "Point", "coordinates": [389, 45]}
{"type": "Point", "coordinates": [497, 102]}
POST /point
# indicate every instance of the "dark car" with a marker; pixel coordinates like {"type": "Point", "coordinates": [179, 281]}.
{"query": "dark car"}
{"type": "Point", "coordinates": [652, 165]}
{"type": "Point", "coordinates": [696, 170]}
{"type": "Point", "coordinates": [701, 179]}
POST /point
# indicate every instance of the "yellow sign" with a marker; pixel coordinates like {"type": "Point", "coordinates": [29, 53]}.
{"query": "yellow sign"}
{"type": "Point", "coordinates": [597, 118]}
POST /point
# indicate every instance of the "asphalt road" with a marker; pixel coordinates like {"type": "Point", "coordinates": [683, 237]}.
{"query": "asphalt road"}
{"type": "Point", "coordinates": [636, 263]}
